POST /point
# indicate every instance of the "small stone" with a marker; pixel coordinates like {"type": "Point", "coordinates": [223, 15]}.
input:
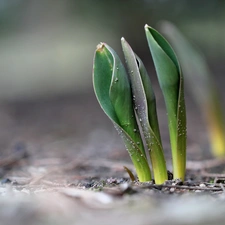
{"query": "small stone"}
{"type": "Point", "coordinates": [202, 185]}
{"type": "Point", "coordinates": [6, 181]}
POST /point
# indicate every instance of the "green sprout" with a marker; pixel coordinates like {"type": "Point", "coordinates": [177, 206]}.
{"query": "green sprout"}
{"type": "Point", "coordinates": [172, 85]}
{"type": "Point", "coordinates": [202, 85]}
{"type": "Point", "coordinates": [113, 91]}
{"type": "Point", "coordinates": [144, 104]}
{"type": "Point", "coordinates": [129, 101]}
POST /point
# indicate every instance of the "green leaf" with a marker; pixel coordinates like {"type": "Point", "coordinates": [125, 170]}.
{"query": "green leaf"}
{"type": "Point", "coordinates": [112, 89]}
{"type": "Point", "coordinates": [171, 82]}
{"type": "Point", "coordinates": [145, 105]}
{"type": "Point", "coordinates": [202, 86]}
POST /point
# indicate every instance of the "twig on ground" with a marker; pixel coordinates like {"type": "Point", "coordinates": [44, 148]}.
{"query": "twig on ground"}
{"type": "Point", "coordinates": [213, 175]}
{"type": "Point", "coordinates": [12, 159]}
{"type": "Point", "coordinates": [206, 164]}
{"type": "Point", "coordinates": [222, 187]}
{"type": "Point", "coordinates": [206, 188]}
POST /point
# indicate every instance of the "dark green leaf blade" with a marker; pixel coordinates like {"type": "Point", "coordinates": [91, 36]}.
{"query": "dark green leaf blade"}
{"type": "Point", "coordinates": [101, 91]}
{"type": "Point", "coordinates": [202, 85]}
{"type": "Point", "coordinates": [112, 90]}
{"type": "Point", "coordinates": [144, 103]}
{"type": "Point", "coordinates": [171, 82]}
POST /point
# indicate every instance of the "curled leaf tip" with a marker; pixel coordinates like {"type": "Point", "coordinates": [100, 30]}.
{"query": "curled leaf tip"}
{"type": "Point", "coordinates": [122, 39]}
{"type": "Point", "coordinates": [100, 46]}
{"type": "Point", "coordinates": [146, 26]}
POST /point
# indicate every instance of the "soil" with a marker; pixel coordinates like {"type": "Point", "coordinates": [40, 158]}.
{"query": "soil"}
{"type": "Point", "coordinates": [61, 162]}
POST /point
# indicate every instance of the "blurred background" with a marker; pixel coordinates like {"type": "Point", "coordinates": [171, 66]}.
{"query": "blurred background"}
{"type": "Point", "coordinates": [49, 115]}
{"type": "Point", "coordinates": [52, 130]}
{"type": "Point", "coordinates": [47, 46]}
{"type": "Point", "coordinates": [46, 56]}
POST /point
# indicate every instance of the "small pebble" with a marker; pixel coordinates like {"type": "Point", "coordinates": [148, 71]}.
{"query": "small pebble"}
{"type": "Point", "coordinates": [202, 185]}
{"type": "Point", "coordinates": [124, 186]}
{"type": "Point", "coordinates": [6, 181]}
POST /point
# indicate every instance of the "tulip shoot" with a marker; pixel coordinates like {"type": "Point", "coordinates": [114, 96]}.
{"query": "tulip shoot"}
{"type": "Point", "coordinates": [201, 84]}
{"type": "Point", "coordinates": [145, 106]}
{"type": "Point", "coordinates": [113, 92]}
{"type": "Point", "coordinates": [129, 101]}
{"type": "Point", "coordinates": [171, 83]}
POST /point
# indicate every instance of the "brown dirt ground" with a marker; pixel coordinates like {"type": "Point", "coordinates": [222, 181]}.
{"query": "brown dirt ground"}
{"type": "Point", "coordinates": [61, 162]}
